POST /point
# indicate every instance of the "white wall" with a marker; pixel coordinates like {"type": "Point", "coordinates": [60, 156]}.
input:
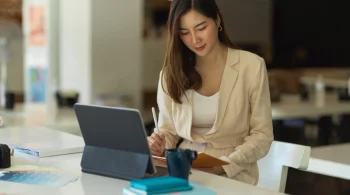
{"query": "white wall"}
{"type": "Point", "coordinates": [117, 48]}
{"type": "Point", "coordinates": [14, 49]}
{"type": "Point", "coordinates": [54, 49]}
{"type": "Point", "coordinates": [75, 47]}
{"type": "Point", "coordinates": [153, 59]}
{"type": "Point", "coordinates": [15, 65]}
{"type": "Point", "coordinates": [101, 48]}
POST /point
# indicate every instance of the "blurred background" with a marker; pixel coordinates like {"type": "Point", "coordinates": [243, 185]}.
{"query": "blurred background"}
{"type": "Point", "coordinates": [54, 53]}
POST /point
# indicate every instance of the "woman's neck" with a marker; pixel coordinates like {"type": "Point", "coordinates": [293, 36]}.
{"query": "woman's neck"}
{"type": "Point", "coordinates": [217, 56]}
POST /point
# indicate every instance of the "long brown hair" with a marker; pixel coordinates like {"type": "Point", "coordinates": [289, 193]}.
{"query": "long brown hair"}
{"type": "Point", "coordinates": [179, 72]}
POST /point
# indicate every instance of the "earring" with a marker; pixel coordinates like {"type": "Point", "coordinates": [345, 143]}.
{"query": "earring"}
{"type": "Point", "coordinates": [220, 28]}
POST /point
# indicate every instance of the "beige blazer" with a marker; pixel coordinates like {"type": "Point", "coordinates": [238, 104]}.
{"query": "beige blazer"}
{"type": "Point", "coordinates": [242, 132]}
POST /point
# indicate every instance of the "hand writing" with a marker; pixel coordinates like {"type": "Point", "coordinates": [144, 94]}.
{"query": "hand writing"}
{"type": "Point", "coordinates": [156, 143]}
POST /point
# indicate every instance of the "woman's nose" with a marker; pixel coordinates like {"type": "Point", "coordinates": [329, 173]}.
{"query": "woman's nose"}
{"type": "Point", "coordinates": [195, 38]}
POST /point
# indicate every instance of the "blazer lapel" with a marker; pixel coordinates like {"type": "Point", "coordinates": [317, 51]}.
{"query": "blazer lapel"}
{"type": "Point", "coordinates": [227, 83]}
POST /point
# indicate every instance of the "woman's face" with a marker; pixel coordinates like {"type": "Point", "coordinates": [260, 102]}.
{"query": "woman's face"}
{"type": "Point", "coordinates": [198, 32]}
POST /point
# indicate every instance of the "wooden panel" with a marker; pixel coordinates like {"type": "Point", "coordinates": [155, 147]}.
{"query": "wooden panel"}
{"type": "Point", "coordinates": [149, 99]}
{"type": "Point", "coordinates": [160, 4]}
{"type": "Point", "coordinates": [11, 10]}
{"type": "Point", "coordinates": [19, 97]}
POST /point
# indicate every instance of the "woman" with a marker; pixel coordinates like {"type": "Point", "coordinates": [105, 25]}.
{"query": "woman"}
{"type": "Point", "coordinates": [212, 95]}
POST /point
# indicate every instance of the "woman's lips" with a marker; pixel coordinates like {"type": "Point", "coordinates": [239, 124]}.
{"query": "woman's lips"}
{"type": "Point", "coordinates": [200, 48]}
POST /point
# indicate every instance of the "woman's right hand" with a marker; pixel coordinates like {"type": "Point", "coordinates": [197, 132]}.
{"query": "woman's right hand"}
{"type": "Point", "coordinates": [156, 143]}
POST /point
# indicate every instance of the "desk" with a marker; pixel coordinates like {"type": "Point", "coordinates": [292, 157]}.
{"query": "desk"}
{"type": "Point", "coordinates": [281, 110]}
{"type": "Point", "coordinates": [333, 160]}
{"type": "Point", "coordinates": [329, 82]}
{"type": "Point", "coordinates": [297, 109]}
{"type": "Point", "coordinates": [308, 109]}
{"type": "Point", "coordinates": [35, 115]}
{"type": "Point", "coordinates": [92, 184]}
{"type": "Point", "coordinates": [63, 119]}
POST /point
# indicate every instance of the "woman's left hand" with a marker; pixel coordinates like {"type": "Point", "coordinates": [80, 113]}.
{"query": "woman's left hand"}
{"type": "Point", "coordinates": [214, 170]}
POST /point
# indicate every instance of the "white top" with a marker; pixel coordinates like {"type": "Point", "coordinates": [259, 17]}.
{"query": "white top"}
{"type": "Point", "coordinates": [204, 112]}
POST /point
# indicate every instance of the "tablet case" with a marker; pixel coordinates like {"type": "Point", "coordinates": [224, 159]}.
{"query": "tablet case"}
{"type": "Point", "coordinates": [115, 142]}
{"type": "Point", "coordinates": [115, 163]}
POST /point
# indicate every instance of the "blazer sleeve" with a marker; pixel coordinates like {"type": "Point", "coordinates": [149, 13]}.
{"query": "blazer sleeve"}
{"type": "Point", "coordinates": [257, 144]}
{"type": "Point", "coordinates": [165, 122]}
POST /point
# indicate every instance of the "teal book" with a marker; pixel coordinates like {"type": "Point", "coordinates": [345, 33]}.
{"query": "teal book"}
{"type": "Point", "coordinates": [165, 186]}
{"type": "Point", "coordinates": [160, 184]}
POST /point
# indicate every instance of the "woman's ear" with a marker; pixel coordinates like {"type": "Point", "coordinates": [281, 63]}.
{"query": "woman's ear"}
{"type": "Point", "coordinates": [218, 21]}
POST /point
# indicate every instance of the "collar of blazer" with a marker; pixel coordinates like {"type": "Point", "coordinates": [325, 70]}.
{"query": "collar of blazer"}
{"type": "Point", "coordinates": [227, 83]}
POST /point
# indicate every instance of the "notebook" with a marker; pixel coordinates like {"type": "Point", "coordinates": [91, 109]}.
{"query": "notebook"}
{"type": "Point", "coordinates": [203, 161]}
{"type": "Point", "coordinates": [37, 175]}
{"type": "Point", "coordinates": [41, 141]}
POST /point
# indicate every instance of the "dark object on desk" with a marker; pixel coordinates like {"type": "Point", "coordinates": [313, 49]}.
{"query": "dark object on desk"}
{"type": "Point", "coordinates": [325, 126]}
{"type": "Point", "coordinates": [115, 142]}
{"type": "Point", "coordinates": [66, 99]}
{"type": "Point", "coordinates": [5, 156]}
{"type": "Point", "coordinates": [343, 95]}
{"type": "Point", "coordinates": [10, 100]}
{"type": "Point", "coordinates": [304, 93]}
{"type": "Point", "coordinates": [179, 162]}
{"type": "Point", "coordinates": [344, 126]}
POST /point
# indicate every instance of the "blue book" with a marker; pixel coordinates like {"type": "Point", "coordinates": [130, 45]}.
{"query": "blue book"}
{"type": "Point", "coordinates": [160, 184]}
{"type": "Point", "coordinates": [196, 190]}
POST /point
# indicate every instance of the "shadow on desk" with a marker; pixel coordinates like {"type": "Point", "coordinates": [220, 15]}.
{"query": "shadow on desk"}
{"type": "Point", "coordinates": [303, 182]}
{"type": "Point", "coordinates": [95, 184]}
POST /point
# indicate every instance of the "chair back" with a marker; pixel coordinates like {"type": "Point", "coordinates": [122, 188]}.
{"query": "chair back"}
{"type": "Point", "coordinates": [273, 168]}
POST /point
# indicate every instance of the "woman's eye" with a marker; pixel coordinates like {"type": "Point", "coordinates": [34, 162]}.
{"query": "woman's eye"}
{"type": "Point", "coordinates": [183, 33]}
{"type": "Point", "coordinates": [200, 29]}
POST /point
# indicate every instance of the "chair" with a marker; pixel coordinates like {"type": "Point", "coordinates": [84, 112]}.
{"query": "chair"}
{"type": "Point", "coordinates": [273, 168]}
